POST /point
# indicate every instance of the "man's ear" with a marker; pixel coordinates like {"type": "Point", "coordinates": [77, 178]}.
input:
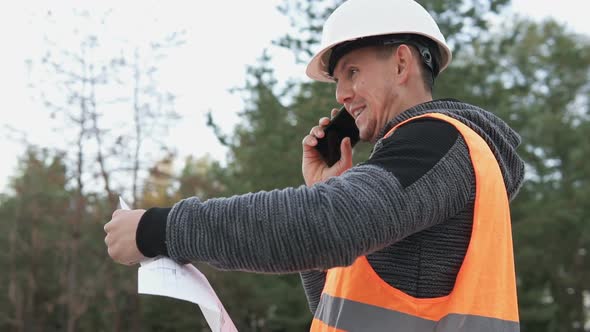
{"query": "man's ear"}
{"type": "Point", "coordinates": [404, 58]}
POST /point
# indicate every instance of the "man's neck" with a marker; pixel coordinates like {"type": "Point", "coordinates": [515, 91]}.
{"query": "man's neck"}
{"type": "Point", "coordinates": [408, 98]}
{"type": "Point", "coordinates": [415, 100]}
{"type": "Point", "coordinates": [402, 108]}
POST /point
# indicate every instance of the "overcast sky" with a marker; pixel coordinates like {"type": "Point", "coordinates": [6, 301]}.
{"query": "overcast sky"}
{"type": "Point", "coordinates": [221, 41]}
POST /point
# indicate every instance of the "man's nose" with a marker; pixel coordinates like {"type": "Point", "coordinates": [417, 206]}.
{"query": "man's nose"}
{"type": "Point", "coordinates": [344, 92]}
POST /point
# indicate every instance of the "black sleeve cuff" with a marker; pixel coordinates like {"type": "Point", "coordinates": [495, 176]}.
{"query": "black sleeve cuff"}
{"type": "Point", "coordinates": [151, 232]}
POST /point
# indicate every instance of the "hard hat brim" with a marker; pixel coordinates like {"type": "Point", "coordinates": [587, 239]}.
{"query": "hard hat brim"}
{"type": "Point", "coordinates": [317, 68]}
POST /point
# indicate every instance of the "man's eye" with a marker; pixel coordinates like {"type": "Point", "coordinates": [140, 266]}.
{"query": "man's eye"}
{"type": "Point", "coordinates": [352, 71]}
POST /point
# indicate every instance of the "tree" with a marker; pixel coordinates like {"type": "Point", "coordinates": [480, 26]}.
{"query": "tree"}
{"type": "Point", "coordinates": [80, 85]}
{"type": "Point", "coordinates": [549, 106]}
{"type": "Point", "coordinates": [31, 218]}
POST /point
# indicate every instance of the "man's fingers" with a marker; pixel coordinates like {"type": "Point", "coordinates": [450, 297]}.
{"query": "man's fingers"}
{"type": "Point", "coordinates": [107, 227]}
{"type": "Point", "coordinates": [309, 140]}
{"type": "Point", "coordinates": [112, 252]}
{"type": "Point", "coordinates": [324, 121]}
{"type": "Point", "coordinates": [131, 263]}
{"type": "Point", "coordinates": [120, 238]}
{"type": "Point", "coordinates": [318, 132]}
{"type": "Point", "coordinates": [116, 254]}
{"type": "Point", "coordinates": [116, 212]}
{"type": "Point", "coordinates": [334, 112]}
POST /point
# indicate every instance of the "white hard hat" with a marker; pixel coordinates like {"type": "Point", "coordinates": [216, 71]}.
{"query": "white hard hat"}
{"type": "Point", "coordinates": [356, 19]}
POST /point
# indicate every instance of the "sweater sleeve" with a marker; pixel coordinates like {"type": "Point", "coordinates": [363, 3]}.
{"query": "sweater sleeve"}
{"type": "Point", "coordinates": [327, 225]}
{"type": "Point", "coordinates": [407, 154]}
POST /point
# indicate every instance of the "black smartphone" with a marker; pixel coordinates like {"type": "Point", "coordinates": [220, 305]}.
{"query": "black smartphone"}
{"type": "Point", "coordinates": [341, 126]}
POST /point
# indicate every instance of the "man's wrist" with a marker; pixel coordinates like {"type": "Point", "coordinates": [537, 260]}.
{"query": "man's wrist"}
{"type": "Point", "coordinates": [150, 237]}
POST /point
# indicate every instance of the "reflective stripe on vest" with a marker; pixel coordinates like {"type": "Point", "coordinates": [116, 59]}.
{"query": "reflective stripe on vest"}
{"type": "Point", "coordinates": [355, 298]}
{"type": "Point", "coordinates": [355, 316]}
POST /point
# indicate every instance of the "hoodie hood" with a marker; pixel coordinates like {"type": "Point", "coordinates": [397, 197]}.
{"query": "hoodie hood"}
{"type": "Point", "coordinates": [501, 139]}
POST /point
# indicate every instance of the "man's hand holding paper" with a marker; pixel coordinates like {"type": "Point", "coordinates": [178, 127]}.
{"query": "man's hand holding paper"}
{"type": "Point", "coordinates": [161, 275]}
{"type": "Point", "coordinates": [120, 238]}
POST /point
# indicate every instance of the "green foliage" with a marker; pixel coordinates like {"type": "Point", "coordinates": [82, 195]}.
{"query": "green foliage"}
{"type": "Point", "coordinates": [30, 218]}
{"type": "Point", "coordinates": [551, 229]}
{"type": "Point", "coordinates": [200, 178]}
{"type": "Point", "coordinates": [45, 271]}
{"type": "Point", "coordinates": [259, 302]}
{"type": "Point", "coordinates": [261, 151]}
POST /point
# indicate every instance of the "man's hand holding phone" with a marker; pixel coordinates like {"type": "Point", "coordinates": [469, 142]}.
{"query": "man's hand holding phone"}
{"type": "Point", "coordinates": [330, 139]}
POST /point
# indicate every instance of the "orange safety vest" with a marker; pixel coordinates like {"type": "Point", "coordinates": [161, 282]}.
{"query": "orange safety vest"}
{"type": "Point", "coordinates": [355, 298]}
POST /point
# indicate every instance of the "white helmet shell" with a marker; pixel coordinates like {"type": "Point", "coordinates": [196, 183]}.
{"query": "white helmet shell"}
{"type": "Point", "coordinates": [356, 19]}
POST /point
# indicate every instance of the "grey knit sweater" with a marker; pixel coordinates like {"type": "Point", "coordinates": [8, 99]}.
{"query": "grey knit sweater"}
{"type": "Point", "coordinates": [408, 209]}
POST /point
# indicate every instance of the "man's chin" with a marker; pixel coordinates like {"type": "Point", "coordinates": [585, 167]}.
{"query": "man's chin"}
{"type": "Point", "coordinates": [362, 135]}
{"type": "Point", "coordinates": [362, 139]}
{"type": "Point", "coordinates": [366, 137]}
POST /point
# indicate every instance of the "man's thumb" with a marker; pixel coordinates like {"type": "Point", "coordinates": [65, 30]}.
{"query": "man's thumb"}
{"type": "Point", "coordinates": [346, 153]}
